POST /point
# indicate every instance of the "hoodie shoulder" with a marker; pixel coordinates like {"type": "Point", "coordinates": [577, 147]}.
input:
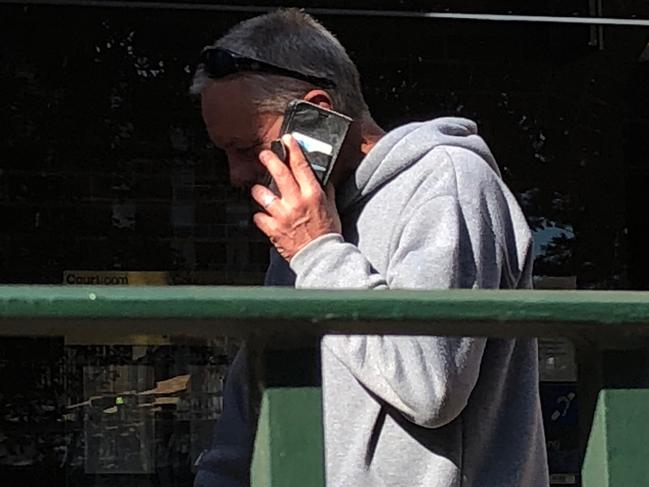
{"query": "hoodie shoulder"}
{"type": "Point", "coordinates": [407, 146]}
{"type": "Point", "coordinates": [483, 196]}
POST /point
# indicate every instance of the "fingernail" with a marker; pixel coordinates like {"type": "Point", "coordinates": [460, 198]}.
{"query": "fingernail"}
{"type": "Point", "coordinates": [287, 138]}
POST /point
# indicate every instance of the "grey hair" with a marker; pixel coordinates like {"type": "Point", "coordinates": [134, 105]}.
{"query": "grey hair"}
{"type": "Point", "coordinates": [292, 39]}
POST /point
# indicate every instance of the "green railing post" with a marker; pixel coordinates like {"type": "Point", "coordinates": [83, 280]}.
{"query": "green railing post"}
{"type": "Point", "coordinates": [289, 446]}
{"type": "Point", "coordinates": [614, 411]}
{"type": "Point", "coordinates": [618, 447]}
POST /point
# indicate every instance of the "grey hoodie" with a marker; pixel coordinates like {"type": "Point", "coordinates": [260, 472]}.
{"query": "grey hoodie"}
{"type": "Point", "coordinates": [426, 209]}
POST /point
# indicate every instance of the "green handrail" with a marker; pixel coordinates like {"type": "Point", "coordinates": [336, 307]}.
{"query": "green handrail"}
{"type": "Point", "coordinates": [331, 311]}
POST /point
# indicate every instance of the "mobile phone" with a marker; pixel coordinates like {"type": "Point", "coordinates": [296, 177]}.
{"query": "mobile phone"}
{"type": "Point", "coordinates": [319, 132]}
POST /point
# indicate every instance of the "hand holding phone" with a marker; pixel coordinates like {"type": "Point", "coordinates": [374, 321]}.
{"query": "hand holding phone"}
{"type": "Point", "coordinates": [319, 132]}
{"type": "Point", "coordinates": [297, 213]}
{"type": "Point", "coordinates": [298, 210]}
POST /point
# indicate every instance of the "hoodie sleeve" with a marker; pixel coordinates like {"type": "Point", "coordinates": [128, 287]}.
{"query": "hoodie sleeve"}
{"type": "Point", "coordinates": [428, 379]}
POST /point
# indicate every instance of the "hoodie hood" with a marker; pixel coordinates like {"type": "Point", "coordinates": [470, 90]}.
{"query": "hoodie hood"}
{"type": "Point", "coordinates": [401, 148]}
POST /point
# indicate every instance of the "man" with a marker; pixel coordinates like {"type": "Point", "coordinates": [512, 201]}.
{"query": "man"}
{"type": "Point", "coordinates": [422, 207]}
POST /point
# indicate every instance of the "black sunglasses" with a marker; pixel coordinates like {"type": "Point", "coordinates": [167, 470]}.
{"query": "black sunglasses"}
{"type": "Point", "coordinates": [219, 63]}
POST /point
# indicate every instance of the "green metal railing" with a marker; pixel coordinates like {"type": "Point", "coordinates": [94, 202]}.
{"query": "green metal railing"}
{"type": "Point", "coordinates": [610, 329]}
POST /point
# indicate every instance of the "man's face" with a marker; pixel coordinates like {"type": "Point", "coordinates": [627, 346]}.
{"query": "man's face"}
{"type": "Point", "coordinates": [235, 126]}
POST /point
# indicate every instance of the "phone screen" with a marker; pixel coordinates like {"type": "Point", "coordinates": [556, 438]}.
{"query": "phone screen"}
{"type": "Point", "coordinates": [320, 134]}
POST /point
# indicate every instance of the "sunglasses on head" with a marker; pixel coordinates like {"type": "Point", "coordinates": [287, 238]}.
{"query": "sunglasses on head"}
{"type": "Point", "coordinates": [219, 63]}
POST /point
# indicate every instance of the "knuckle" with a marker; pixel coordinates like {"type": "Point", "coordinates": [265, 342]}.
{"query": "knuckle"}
{"type": "Point", "coordinates": [282, 173]}
{"type": "Point", "coordinates": [317, 196]}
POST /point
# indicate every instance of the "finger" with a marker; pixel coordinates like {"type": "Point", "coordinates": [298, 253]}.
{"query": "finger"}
{"type": "Point", "coordinates": [302, 172]}
{"type": "Point", "coordinates": [265, 198]}
{"type": "Point", "coordinates": [265, 223]}
{"type": "Point", "coordinates": [281, 174]}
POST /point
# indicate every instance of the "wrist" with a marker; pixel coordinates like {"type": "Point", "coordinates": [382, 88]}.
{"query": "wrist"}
{"type": "Point", "coordinates": [304, 253]}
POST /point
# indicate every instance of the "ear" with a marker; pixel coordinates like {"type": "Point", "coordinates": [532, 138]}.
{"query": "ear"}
{"type": "Point", "coordinates": [320, 98]}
